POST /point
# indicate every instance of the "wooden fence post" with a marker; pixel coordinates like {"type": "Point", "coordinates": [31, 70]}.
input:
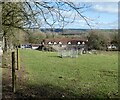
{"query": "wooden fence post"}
{"type": "Point", "coordinates": [13, 73]}
{"type": "Point", "coordinates": [18, 67]}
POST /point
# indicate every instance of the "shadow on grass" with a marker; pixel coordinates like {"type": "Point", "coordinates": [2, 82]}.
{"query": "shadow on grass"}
{"type": "Point", "coordinates": [50, 92]}
{"type": "Point", "coordinates": [47, 92]}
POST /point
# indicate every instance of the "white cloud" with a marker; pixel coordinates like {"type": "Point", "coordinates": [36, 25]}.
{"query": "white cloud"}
{"type": "Point", "coordinates": [106, 8]}
{"type": "Point", "coordinates": [110, 25]}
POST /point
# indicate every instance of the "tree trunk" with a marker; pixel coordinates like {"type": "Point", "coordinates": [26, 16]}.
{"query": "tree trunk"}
{"type": "Point", "coordinates": [4, 43]}
{"type": "Point", "coordinates": [13, 73]}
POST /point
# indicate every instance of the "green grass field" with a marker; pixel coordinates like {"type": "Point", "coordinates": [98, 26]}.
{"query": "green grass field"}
{"type": "Point", "coordinates": [88, 75]}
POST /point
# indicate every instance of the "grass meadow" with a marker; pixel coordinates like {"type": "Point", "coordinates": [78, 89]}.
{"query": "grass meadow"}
{"type": "Point", "coordinates": [89, 75]}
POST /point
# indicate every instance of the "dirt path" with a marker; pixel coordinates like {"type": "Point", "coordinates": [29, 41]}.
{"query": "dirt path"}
{"type": "Point", "coordinates": [7, 82]}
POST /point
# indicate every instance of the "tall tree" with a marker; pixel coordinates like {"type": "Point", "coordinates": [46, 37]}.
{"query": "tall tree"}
{"type": "Point", "coordinates": [114, 38]}
{"type": "Point", "coordinates": [97, 40]}
{"type": "Point", "coordinates": [26, 15]}
{"type": "Point", "coordinates": [12, 19]}
{"type": "Point", "coordinates": [35, 36]}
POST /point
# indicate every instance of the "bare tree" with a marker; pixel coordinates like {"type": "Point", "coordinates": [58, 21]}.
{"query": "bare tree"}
{"type": "Point", "coordinates": [27, 15]}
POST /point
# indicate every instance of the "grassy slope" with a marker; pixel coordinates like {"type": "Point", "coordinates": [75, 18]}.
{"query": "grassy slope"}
{"type": "Point", "coordinates": [94, 74]}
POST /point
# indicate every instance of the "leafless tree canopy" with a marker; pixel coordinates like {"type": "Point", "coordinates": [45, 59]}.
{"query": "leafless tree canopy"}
{"type": "Point", "coordinates": [36, 14]}
{"type": "Point", "coordinates": [25, 15]}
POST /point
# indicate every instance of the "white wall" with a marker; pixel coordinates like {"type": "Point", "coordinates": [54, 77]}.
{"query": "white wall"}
{"type": "Point", "coordinates": [34, 47]}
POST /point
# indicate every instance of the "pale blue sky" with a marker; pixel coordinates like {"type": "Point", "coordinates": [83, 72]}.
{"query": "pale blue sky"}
{"type": "Point", "coordinates": [101, 15]}
{"type": "Point", "coordinates": [104, 16]}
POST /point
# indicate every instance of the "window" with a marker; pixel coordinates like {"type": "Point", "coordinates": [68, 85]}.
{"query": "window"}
{"type": "Point", "coordinates": [49, 42]}
{"type": "Point", "coordinates": [83, 42]}
{"type": "Point", "coordinates": [55, 43]}
{"type": "Point", "coordinates": [60, 42]}
{"type": "Point", "coordinates": [78, 43]}
{"type": "Point", "coordinates": [69, 42]}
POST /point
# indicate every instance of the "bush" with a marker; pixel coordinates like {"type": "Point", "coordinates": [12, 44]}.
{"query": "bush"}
{"type": "Point", "coordinates": [46, 48]}
{"type": "Point", "coordinates": [96, 40]}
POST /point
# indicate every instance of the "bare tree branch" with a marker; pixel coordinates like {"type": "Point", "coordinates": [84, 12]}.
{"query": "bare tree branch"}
{"type": "Point", "coordinates": [25, 15]}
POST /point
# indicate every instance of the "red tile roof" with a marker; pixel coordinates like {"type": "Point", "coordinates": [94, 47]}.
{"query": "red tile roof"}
{"type": "Point", "coordinates": [65, 40]}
